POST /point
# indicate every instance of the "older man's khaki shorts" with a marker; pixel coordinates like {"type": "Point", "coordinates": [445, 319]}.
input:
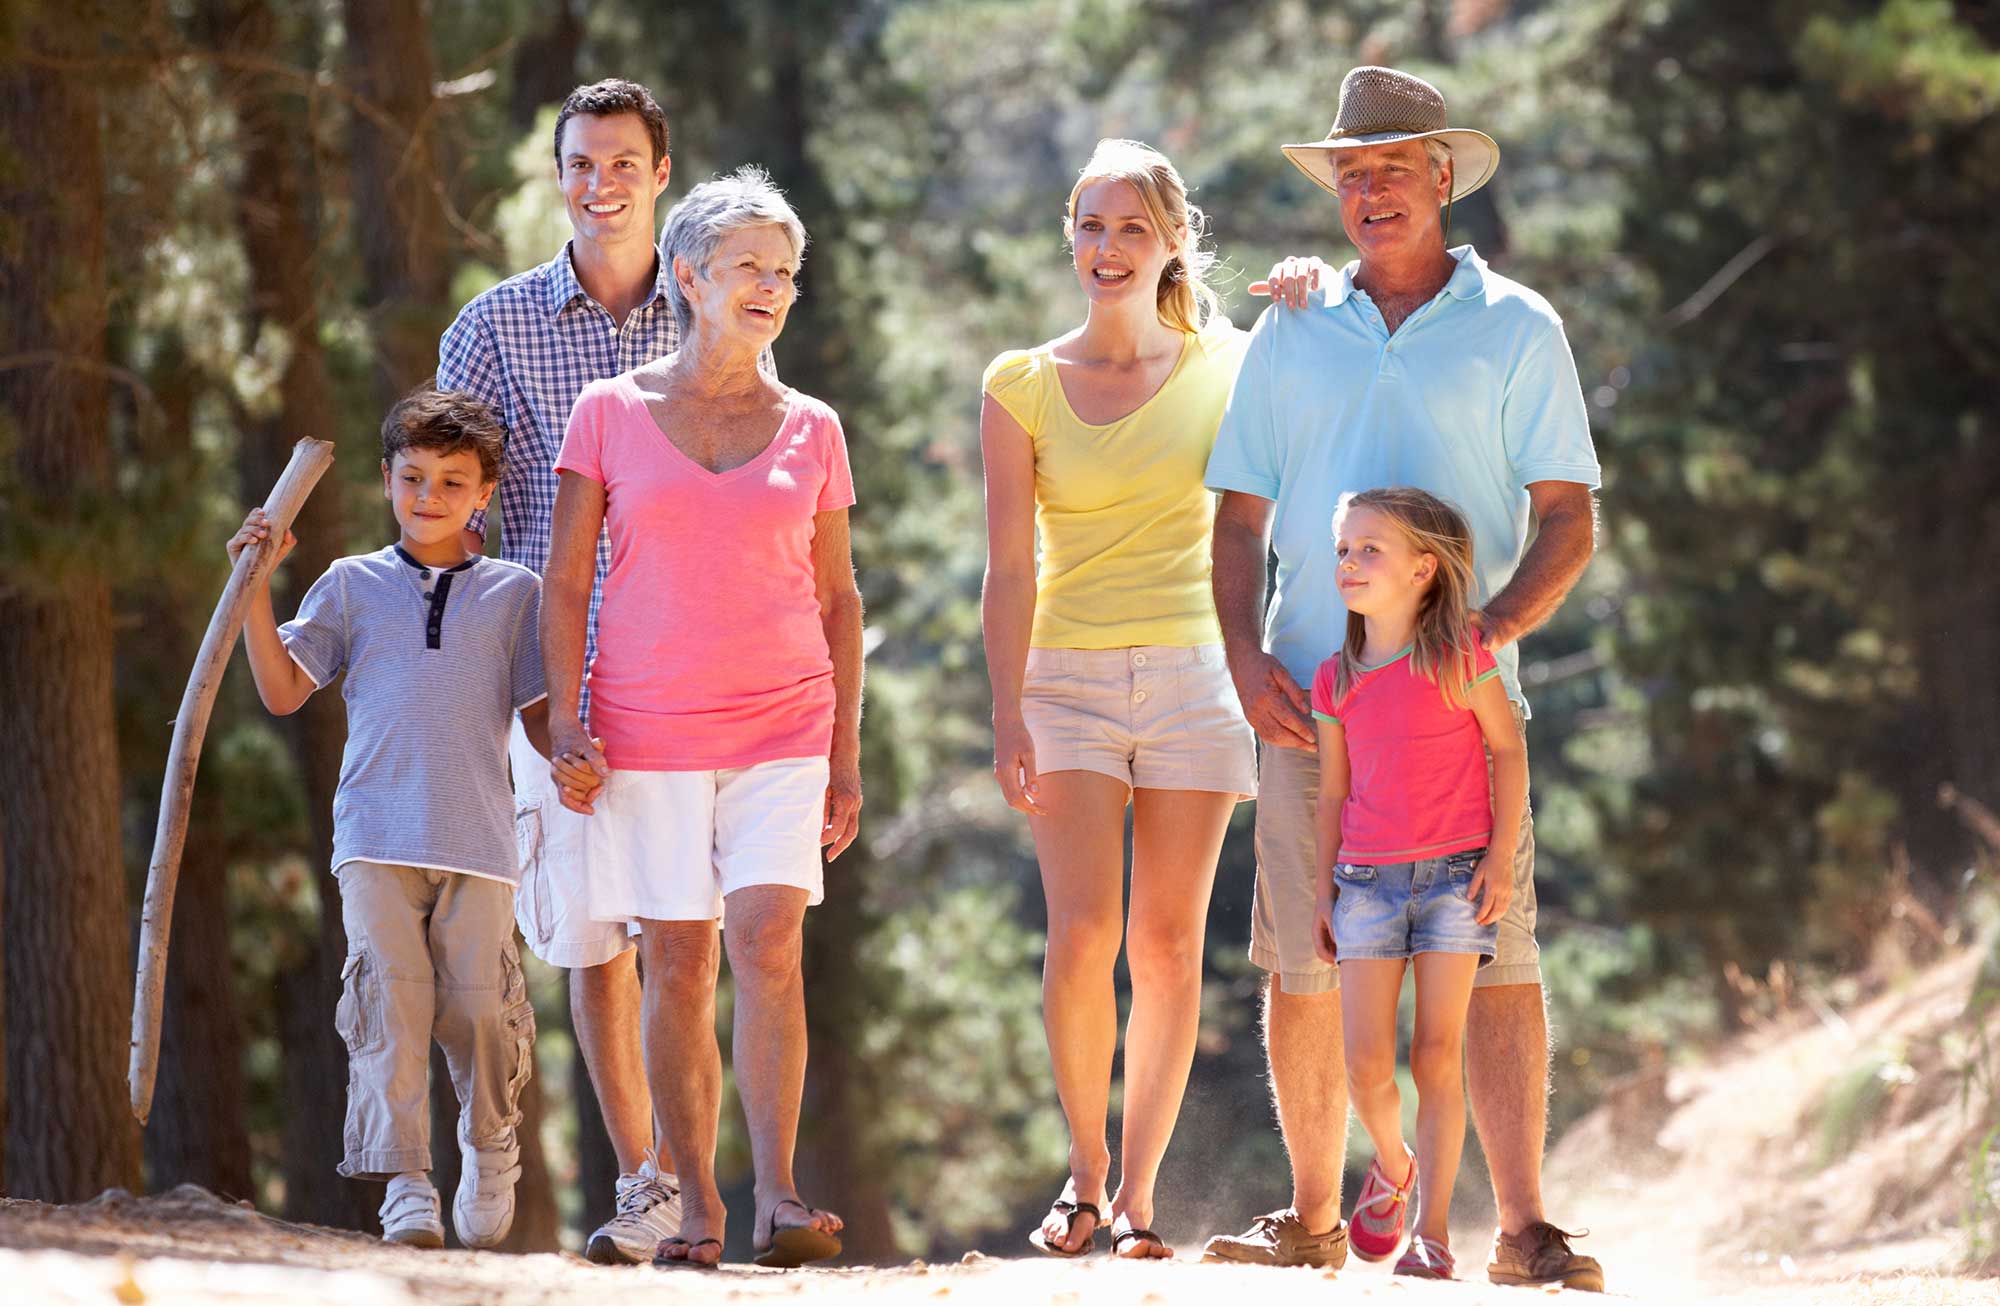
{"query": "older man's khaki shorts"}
{"type": "Point", "coordinates": [1285, 903]}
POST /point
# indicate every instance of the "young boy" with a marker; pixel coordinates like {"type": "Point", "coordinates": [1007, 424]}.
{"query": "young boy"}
{"type": "Point", "coordinates": [440, 651]}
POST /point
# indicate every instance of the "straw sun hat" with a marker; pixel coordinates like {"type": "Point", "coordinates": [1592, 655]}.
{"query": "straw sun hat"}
{"type": "Point", "coordinates": [1379, 105]}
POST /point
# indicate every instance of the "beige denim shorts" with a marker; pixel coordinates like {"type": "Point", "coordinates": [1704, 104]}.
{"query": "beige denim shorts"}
{"type": "Point", "coordinates": [1156, 717]}
{"type": "Point", "coordinates": [1286, 902]}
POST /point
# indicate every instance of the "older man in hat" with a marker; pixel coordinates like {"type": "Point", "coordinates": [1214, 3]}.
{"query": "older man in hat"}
{"type": "Point", "coordinates": [1416, 365]}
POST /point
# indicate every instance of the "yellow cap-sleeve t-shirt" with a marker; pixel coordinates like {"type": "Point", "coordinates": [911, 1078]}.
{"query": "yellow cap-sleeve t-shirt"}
{"type": "Point", "coordinates": [1123, 515]}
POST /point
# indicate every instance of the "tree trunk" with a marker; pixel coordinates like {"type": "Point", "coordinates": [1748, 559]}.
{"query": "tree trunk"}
{"type": "Point", "coordinates": [3, 1002]}
{"type": "Point", "coordinates": [197, 1133]}
{"type": "Point", "coordinates": [280, 243]}
{"type": "Point", "coordinates": [544, 67]}
{"type": "Point", "coordinates": [833, 1166]}
{"type": "Point", "coordinates": [1960, 609]}
{"type": "Point", "coordinates": [71, 1132]}
{"type": "Point", "coordinates": [832, 1153]}
{"type": "Point", "coordinates": [596, 1159]}
{"type": "Point", "coordinates": [1433, 35]}
{"type": "Point", "coordinates": [397, 171]}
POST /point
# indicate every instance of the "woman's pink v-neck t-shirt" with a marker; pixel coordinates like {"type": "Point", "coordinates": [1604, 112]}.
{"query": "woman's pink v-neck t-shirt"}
{"type": "Point", "coordinates": [710, 650]}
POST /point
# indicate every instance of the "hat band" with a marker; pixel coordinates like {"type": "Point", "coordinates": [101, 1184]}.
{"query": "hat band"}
{"type": "Point", "coordinates": [1370, 128]}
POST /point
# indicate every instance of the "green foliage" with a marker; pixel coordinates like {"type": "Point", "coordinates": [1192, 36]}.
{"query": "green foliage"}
{"type": "Point", "coordinates": [1854, 1102]}
{"type": "Point", "coordinates": [1795, 381]}
{"type": "Point", "coordinates": [1982, 1210]}
{"type": "Point", "coordinates": [1980, 1091]}
{"type": "Point", "coordinates": [1611, 1015]}
{"type": "Point", "coordinates": [959, 1064]}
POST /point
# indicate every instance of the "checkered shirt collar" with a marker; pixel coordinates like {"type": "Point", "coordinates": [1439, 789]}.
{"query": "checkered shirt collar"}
{"type": "Point", "coordinates": [563, 289]}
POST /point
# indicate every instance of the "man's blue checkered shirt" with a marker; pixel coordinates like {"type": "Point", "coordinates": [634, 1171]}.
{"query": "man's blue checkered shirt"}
{"type": "Point", "coordinates": [527, 348]}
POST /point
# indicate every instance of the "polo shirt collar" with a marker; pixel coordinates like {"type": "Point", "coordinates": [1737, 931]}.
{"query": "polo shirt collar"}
{"type": "Point", "coordinates": [563, 289]}
{"type": "Point", "coordinates": [1467, 282]}
{"type": "Point", "coordinates": [426, 568]}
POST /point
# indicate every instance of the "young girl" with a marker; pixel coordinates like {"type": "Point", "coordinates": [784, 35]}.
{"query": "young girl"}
{"type": "Point", "coordinates": [1416, 846]}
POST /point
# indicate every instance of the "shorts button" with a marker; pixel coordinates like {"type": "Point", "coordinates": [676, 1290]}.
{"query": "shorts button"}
{"type": "Point", "coordinates": [1139, 697]}
{"type": "Point", "coordinates": [1138, 659]}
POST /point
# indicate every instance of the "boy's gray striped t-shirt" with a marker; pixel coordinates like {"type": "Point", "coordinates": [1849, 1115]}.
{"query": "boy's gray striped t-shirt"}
{"type": "Point", "coordinates": [437, 663]}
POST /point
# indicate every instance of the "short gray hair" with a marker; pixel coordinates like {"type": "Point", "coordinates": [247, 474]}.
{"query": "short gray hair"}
{"type": "Point", "coordinates": [1438, 152]}
{"type": "Point", "coordinates": [718, 206]}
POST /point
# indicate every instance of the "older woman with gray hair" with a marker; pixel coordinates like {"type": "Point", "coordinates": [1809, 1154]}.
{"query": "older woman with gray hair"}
{"type": "Point", "coordinates": [723, 747]}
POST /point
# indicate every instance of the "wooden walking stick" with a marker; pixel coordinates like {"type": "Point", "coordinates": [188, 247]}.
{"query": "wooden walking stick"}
{"type": "Point", "coordinates": [310, 459]}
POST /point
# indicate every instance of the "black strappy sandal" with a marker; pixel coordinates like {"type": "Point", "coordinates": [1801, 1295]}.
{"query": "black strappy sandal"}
{"type": "Point", "coordinates": [1123, 1236]}
{"type": "Point", "coordinates": [1069, 1211]}
{"type": "Point", "coordinates": [662, 1261]}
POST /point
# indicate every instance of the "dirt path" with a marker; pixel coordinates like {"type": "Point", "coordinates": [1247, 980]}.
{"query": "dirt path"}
{"type": "Point", "coordinates": [188, 1248]}
{"type": "Point", "coordinates": [1710, 1184]}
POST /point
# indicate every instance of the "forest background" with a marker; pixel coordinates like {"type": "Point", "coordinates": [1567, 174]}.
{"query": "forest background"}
{"type": "Point", "coordinates": [1766, 729]}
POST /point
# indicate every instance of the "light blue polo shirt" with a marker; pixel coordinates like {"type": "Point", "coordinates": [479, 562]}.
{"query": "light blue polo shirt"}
{"type": "Point", "coordinates": [1473, 399]}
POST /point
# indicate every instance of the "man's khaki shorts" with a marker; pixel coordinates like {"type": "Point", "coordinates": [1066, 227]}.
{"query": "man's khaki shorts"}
{"type": "Point", "coordinates": [1286, 900]}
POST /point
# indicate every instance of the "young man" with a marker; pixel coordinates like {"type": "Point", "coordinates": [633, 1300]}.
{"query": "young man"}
{"type": "Point", "coordinates": [527, 347]}
{"type": "Point", "coordinates": [440, 651]}
{"type": "Point", "coordinates": [1419, 366]}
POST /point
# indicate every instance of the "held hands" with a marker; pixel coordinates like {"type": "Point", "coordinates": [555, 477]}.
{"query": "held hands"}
{"type": "Point", "coordinates": [1274, 705]}
{"type": "Point", "coordinates": [1494, 632]}
{"type": "Point", "coordinates": [1293, 280]}
{"type": "Point", "coordinates": [843, 806]}
{"type": "Point", "coordinates": [1492, 887]}
{"type": "Point", "coordinates": [255, 531]}
{"type": "Point", "coordinates": [577, 765]}
{"type": "Point", "coordinates": [1014, 767]}
{"type": "Point", "coordinates": [1323, 926]}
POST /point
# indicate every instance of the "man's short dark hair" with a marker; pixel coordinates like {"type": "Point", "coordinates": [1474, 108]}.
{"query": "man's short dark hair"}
{"type": "Point", "coordinates": [614, 96]}
{"type": "Point", "coordinates": [445, 422]}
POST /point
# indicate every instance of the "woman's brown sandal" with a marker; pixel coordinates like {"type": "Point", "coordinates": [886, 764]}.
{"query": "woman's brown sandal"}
{"type": "Point", "coordinates": [1124, 1236]}
{"type": "Point", "coordinates": [686, 1260]}
{"type": "Point", "coordinates": [794, 1245]}
{"type": "Point", "coordinates": [1070, 1211]}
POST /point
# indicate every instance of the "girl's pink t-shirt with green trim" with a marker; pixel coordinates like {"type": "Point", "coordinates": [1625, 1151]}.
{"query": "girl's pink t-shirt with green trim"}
{"type": "Point", "coordinates": [710, 650]}
{"type": "Point", "coordinates": [1417, 778]}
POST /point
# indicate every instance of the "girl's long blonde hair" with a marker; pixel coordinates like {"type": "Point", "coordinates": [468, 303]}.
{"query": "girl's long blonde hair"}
{"type": "Point", "coordinates": [1444, 645]}
{"type": "Point", "coordinates": [1186, 300]}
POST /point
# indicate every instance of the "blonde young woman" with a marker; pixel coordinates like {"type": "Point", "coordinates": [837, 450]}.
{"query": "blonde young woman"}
{"type": "Point", "coordinates": [1109, 684]}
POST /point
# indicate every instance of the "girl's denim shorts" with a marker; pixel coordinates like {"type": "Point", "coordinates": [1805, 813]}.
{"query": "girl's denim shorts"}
{"type": "Point", "coordinates": [1399, 909]}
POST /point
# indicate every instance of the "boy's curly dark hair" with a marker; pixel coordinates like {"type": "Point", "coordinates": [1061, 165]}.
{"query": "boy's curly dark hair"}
{"type": "Point", "coordinates": [445, 421]}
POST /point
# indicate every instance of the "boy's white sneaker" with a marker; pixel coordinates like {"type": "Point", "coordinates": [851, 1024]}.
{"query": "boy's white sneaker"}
{"type": "Point", "coordinates": [483, 1210]}
{"type": "Point", "coordinates": [410, 1212]}
{"type": "Point", "coordinates": [648, 1212]}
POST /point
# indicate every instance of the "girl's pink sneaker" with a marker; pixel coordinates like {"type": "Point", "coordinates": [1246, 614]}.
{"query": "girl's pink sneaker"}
{"type": "Point", "coordinates": [1427, 1259]}
{"type": "Point", "coordinates": [1376, 1229]}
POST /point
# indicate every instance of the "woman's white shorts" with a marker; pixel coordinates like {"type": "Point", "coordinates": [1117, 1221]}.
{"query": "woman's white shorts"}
{"type": "Point", "coordinates": [670, 845]}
